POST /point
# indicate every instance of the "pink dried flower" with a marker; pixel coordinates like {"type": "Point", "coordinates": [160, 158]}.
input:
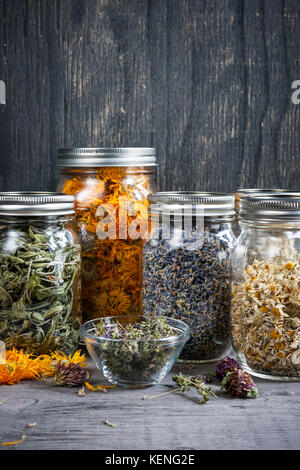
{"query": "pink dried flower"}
{"type": "Point", "coordinates": [239, 383]}
{"type": "Point", "coordinates": [70, 375]}
{"type": "Point", "coordinates": [228, 364]}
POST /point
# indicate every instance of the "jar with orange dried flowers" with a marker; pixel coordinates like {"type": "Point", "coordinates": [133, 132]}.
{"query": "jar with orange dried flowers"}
{"type": "Point", "coordinates": [110, 186]}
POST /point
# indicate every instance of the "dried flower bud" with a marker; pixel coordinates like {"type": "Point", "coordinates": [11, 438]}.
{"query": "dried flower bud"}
{"type": "Point", "coordinates": [70, 375]}
{"type": "Point", "coordinates": [239, 383]}
{"type": "Point", "coordinates": [228, 364]}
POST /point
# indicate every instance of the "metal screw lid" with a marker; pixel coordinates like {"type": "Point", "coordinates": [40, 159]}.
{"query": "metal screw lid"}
{"type": "Point", "coordinates": [36, 203]}
{"type": "Point", "coordinates": [211, 204]}
{"type": "Point", "coordinates": [253, 191]}
{"type": "Point", "coordinates": [106, 157]}
{"type": "Point", "coordinates": [283, 206]}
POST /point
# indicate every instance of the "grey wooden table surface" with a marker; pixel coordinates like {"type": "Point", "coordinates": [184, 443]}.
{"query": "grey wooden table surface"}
{"type": "Point", "coordinates": [66, 421]}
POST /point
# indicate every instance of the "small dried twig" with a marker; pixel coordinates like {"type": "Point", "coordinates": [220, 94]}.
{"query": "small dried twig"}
{"type": "Point", "coordinates": [146, 397]}
{"type": "Point", "coordinates": [109, 424]}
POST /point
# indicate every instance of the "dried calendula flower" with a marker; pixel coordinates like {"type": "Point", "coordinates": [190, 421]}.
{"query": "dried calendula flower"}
{"type": "Point", "coordinates": [13, 443]}
{"type": "Point", "coordinates": [101, 388]}
{"type": "Point", "coordinates": [22, 366]}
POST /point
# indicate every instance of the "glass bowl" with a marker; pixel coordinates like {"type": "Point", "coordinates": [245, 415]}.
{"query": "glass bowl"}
{"type": "Point", "coordinates": [134, 363]}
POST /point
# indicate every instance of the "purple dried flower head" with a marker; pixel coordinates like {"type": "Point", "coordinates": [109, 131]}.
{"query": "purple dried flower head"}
{"type": "Point", "coordinates": [228, 364]}
{"type": "Point", "coordinates": [239, 383]}
{"type": "Point", "coordinates": [70, 375]}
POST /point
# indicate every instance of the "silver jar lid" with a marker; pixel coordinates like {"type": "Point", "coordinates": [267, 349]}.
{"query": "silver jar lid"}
{"type": "Point", "coordinates": [280, 207]}
{"type": "Point", "coordinates": [106, 157]}
{"type": "Point", "coordinates": [35, 203]}
{"type": "Point", "coordinates": [210, 204]}
{"type": "Point", "coordinates": [253, 191]}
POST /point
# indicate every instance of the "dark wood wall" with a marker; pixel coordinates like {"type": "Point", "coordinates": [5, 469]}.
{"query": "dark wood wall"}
{"type": "Point", "coordinates": [207, 82]}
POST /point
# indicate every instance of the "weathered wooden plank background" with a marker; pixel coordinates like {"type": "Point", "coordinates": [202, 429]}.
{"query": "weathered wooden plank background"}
{"type": "Point", "coordinates": [208, 82]}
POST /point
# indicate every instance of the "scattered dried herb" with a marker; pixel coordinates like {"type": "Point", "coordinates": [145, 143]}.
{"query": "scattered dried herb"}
{"type": "Point", "coordinates": [198, 382]}
{"type": "Point", "coordinates": [191, 281]}
{"type": "Point", "coordinates": [185, 383]}
{"type": "Point", "coordinates": [40, 306]}
{"type": "Point", "coordinates": [266, 316]}
{"type": "Point", "coordinates": [111, 268]}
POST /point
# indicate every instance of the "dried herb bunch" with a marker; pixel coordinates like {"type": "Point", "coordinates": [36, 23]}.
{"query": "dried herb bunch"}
{"type": "Point", "coordinates": [266, 315]}
{"type": "Point", "coordinates": [185, 383]}
{"type": "Point", "coordinates": [191, 280]}
{"type": "Point", "coordinates": [111, 268]}
{"type": "Point", "coordinates": [137, 356]}
{"type": "Point", "coordinates": [40, 308]}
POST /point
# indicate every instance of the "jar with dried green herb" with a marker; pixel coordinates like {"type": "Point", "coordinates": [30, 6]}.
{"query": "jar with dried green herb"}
{"type": "Point", "coordinates": [266, 287]}
{"type": "Point", "coordinates": [40, 300]}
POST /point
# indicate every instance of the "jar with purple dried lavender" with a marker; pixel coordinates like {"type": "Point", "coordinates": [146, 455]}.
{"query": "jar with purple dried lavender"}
{"type": "Point", "coordinates": [187, 268]}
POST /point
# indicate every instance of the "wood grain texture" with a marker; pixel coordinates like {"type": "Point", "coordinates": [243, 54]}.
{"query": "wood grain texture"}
{"type": "Point", "coordinates": [206, 82]}
{"type": "Point", "coordinates": [66, 421]}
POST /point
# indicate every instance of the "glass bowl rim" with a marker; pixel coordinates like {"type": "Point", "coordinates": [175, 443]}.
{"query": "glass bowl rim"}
{"type": "Point", "coordinates": [184, 334]}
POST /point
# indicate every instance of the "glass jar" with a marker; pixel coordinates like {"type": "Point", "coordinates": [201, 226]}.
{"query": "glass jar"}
{"type": "Point", "coordinates": [266, 286]}
{"type": "Point", "coordinates": [40, 302]}
{"type": "Point", "coordinates": [111, 188]}
{"type": "Point", "coordinates": [187, 269]}
{"type": "Point", "coordinates": [248, 192]}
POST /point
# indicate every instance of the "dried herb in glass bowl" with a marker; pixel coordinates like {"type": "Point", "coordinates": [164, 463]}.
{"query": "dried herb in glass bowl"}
{"type": "Point", "coordinates": [134, 350]}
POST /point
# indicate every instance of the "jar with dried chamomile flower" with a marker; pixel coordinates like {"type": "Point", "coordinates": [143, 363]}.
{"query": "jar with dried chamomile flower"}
{"type": "Point", "coordinates": [266, 286]}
